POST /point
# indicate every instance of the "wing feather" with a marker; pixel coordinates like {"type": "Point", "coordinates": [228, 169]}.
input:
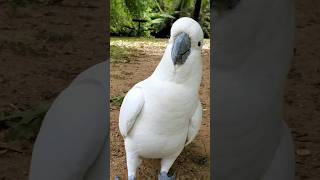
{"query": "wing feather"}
{"type": "Point", "coordinates": [195, 123]}
{"type": "Point", "coordinates": [130, 109]}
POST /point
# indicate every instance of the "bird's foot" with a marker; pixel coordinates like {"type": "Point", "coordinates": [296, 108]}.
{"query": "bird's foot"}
{"type": "Point", "coordinates": [164, 176]}
{"type": "Point", "coordinates": [117, 178]}
{"type": "Point", "coordinates": [131, 178]}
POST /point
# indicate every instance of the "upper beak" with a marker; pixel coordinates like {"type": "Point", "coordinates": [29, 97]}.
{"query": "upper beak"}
{"type": "Point", "coordinates": [181, 48]}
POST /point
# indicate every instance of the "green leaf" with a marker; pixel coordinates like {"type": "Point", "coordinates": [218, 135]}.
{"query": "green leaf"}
{"type": "Point", "coordinates": [25, 124]}
{"type": "Point", "coordinates": [167, 16]}
{"type": "Point", "coordinates": [116, 100]}
{"type": "Point", "coordinates": [157, 21]}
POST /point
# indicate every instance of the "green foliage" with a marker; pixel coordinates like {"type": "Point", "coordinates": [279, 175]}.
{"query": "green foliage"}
{"type": "Point", "coordinates": [158, 21]}
{"type": "Point", "coordinates": [120, 18]}
{"type": "Point", "coordinates": [24, 125]}
{"type": "Point", "coordinates": [184, 7]}
{"type": "Point", "coordinates": [159, 15]}
{"type": "Point", "coordinates": [205, 18]}
{"type": "Point", "coordinates": [139, 9]}
{"type": "Point", "coordinates": [117, 100]}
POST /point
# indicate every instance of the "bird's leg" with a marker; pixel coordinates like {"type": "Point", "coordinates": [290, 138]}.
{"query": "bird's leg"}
{"type": "Point", "coordinates": [166, 164]}
{"type": "Point", "coordinates": [133, 162]}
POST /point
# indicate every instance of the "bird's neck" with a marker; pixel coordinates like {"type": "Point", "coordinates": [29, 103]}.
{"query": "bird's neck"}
{"type": "Point", "coordinates": [187, 74]}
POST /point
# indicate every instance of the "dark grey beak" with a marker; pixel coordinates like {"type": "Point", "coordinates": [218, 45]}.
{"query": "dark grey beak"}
{"type": "Point", "coordinates": [181, 49]}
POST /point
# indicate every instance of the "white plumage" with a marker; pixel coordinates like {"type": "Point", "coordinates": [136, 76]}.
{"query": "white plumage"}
{"type": "Point", "coordinates": [162, 114]}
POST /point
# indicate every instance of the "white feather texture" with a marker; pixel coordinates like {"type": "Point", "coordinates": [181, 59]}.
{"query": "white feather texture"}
{"type": "Point", "coordinates": [162, 113]}
{"type": "Point", "coordinates": [189, 26]}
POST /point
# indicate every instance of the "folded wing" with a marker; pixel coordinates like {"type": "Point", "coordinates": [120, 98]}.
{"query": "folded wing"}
{"type": "Point", "coordinates": [195, 123]}
{"type": "Point", "coordinates": [130, 109]}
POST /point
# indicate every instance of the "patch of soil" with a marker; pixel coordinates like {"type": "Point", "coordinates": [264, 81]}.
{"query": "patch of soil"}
{"type": "Point", "coordinates": [42, 49]}
{"type": "Point", "coordinates": [194, 161]}
{"type": "Point", "coordinates": [303, 91]}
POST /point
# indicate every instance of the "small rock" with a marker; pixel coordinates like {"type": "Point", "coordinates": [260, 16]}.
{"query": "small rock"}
{"type": "Point", "coordinates": [303, 152]}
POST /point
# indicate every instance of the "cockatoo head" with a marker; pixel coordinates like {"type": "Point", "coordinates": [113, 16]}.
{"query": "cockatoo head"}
{"type": "Point", "coordinates": [181, 61]}
{"type": "Point", "coordinates": [186, 40]}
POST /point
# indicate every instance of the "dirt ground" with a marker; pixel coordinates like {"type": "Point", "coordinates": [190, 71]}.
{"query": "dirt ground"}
{"type": "Point", "coordinates": [303, 90]}
{"type": "Point", "coordinates": [142, 59]}
{"type": "Point", "coordinates": [42, 48]}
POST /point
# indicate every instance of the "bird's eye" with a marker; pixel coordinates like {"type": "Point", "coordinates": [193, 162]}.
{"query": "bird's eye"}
{"type": "Point", "coordinates": [199, 43]}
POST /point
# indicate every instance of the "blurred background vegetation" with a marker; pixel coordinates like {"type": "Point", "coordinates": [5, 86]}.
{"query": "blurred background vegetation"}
{"type": "Point", "coordinates": [156, 16]}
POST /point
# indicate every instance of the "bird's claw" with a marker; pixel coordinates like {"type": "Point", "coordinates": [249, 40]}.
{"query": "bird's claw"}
{"type": "Point", "coordinates": [164, 176]}
{"type": "Point", "coordinates": [131, 178]}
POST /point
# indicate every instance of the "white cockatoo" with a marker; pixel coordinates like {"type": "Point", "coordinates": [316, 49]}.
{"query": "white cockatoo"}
{"type": "Point", "coordinates": [162, 114]}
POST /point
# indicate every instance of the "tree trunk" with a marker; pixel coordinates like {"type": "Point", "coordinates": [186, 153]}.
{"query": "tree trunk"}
{"type": "Point", "coordinates": [197, 8]}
